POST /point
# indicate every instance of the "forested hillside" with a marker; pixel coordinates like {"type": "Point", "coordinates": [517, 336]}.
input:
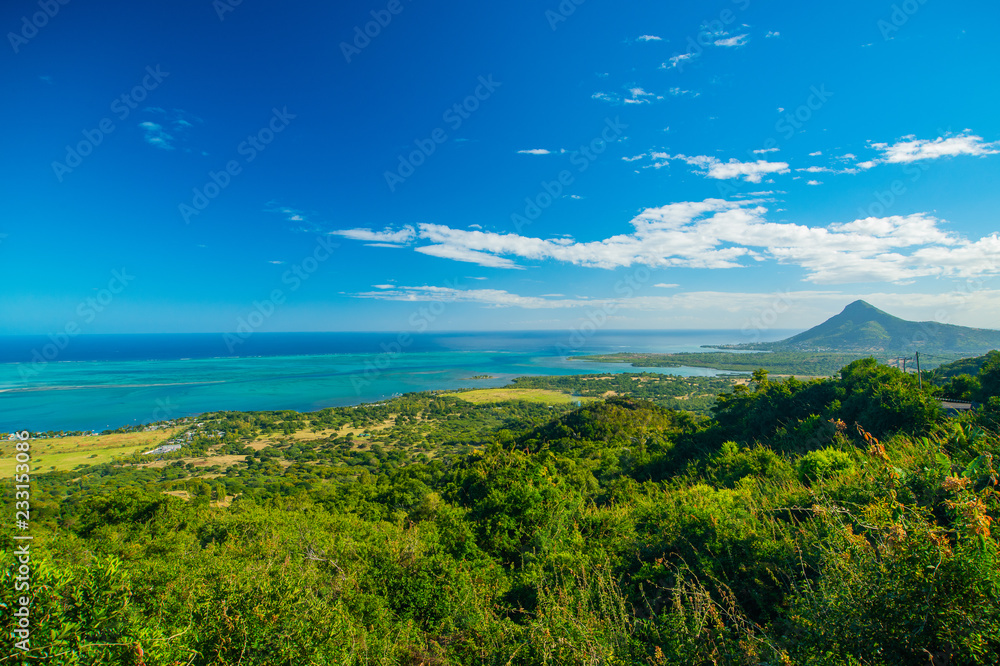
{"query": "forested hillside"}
{"type": "Point", "coordinates": [838, 521]}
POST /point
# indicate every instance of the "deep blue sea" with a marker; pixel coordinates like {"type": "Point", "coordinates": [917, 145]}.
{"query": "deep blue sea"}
{"type": "Point", "coordinates": [96, 382]}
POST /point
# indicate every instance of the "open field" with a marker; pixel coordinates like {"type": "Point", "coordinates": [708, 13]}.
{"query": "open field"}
{"type": "Point", "coordinates": [544, 396]}
{"type": "Point", "coordinates": [65, 453]}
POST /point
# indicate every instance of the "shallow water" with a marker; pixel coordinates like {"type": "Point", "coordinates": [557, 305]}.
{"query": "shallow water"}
{"type": "Point", "coordinates": [138, 379]}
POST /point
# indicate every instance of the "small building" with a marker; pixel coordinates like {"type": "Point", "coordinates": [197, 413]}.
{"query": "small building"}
{"type": "Point", "coordinates": [955, 407]}
{"type": "Point", "coordinates": [166, 448]}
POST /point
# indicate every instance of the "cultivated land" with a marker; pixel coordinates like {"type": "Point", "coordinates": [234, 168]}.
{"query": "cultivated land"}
{"type": "Point", "coordinates": [66, 453]}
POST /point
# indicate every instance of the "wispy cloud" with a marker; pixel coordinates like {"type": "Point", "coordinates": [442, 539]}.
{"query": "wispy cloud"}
{"type": "Point", "coordinates": [821, 169]}
{"type": "Point", "coordinates": [636, 95]}
{"type": "Point", "coordinates": [677, 92]}
{"type": "Point", "coordinates": [155, 135]}
{"type": "Point", "coordinates": [300, 219]}
{"type": "Point", "coordinates": [540, 151]}
{"type": "Point", "coordinates": [738, 40]}
{"type": "Point", "coordinates": [402, 236]}
{"type": "Point", "coordinates": [678, 60]}
{"type": "Point", "coordinates": [751, 172]}
{"type": "Point", "coordinates": [648, 38]}
{"type": "Point", "coordinates": [170, 129]}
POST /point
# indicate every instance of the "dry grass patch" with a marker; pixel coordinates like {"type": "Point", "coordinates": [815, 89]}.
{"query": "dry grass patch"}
{"type": "Point", "coordinates": [544, 396]}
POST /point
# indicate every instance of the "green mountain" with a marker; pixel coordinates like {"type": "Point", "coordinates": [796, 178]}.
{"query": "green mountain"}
{"type": "Point", "coordinates": [863, 327]}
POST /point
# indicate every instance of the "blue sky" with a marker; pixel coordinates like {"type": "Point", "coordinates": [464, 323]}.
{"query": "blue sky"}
{"type": "Point", "coordinates": [464, 166]}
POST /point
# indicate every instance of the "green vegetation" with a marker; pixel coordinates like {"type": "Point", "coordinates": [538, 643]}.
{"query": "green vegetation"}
{"type": "Point", "coordinates": [691, 394]}
{"type": "Point", "coordinates": [802, 364]}
{"type": "Point", "coordinates": [829, 521]}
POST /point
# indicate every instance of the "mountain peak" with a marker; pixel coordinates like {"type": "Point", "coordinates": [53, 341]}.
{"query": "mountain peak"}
{"type": "Point", "coordinates": [862, 307]}
{"type": "Point", "coordinates": [863, 327]}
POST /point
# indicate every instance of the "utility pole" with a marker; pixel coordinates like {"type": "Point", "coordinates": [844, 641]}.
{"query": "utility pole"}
{"type": "Point", "coordinates": [920, 380]}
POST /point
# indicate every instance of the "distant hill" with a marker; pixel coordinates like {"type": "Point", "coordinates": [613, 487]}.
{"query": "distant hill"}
{"type": "Point", "coordinates": [862, 327]}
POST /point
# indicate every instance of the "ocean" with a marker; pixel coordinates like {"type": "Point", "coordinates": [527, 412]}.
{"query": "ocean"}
{"type": "Point", "coordinates": [99, 382]}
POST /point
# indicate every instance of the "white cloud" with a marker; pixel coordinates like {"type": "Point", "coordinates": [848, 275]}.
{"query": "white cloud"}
{"type": "Point", "coordinates": [648, 38]}
{"type": "Point", "coordinates": [663, 285]}
{"type": "Point", "coordinates": [814, 182]}
{"type": "Point", "coordinates": [751, 172]}
{"type": "Point", "coordinates": [816, 154]}
{"type": "Point", "coordinates": [764, 151]}
{"type": "Point", "coordinates": [819, 169]}
{"type": "Point", "coordinates": [535, 151]}
{"type": "Point", "coordinates": [155, 135]}
{"type": "Point", "coordinates": [724, 234]}
{"type": "Point", "coordinates": [911, 149]}
{"type": "Point", "coordinates": [292, 215]}
{"type": "Point", "coordinates": [634, 158]}
{"type": "Point", "coordinates": [639, 95]}
{"type": "Point", "coordinates": [772, 33]}
{"type": "Point", "coordinates": [738, 40]}
{"type": "Point", "coordinates": [636, 95]}
{"type": "Point", "coordinates": [490, 297]}
{"type": "Point", "coordinates": [458, 253]}
{"type": "Point", "coordinates": [404, 235]}
{"type": "Point", "coordinates": [677, 60]}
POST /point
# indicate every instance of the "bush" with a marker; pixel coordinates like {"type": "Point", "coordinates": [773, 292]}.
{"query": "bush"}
{"type": "Point", "coordinates": [822, 464]}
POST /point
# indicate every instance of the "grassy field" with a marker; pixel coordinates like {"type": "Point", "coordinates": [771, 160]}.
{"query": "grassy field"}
{"type": "Point", "coordinates": [65, 453]}
{"type": "Point", "coordinates": [545, 396]}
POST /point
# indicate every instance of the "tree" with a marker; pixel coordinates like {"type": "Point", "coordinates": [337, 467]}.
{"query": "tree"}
{"type": "Point", "coordinates": [989, 378]}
